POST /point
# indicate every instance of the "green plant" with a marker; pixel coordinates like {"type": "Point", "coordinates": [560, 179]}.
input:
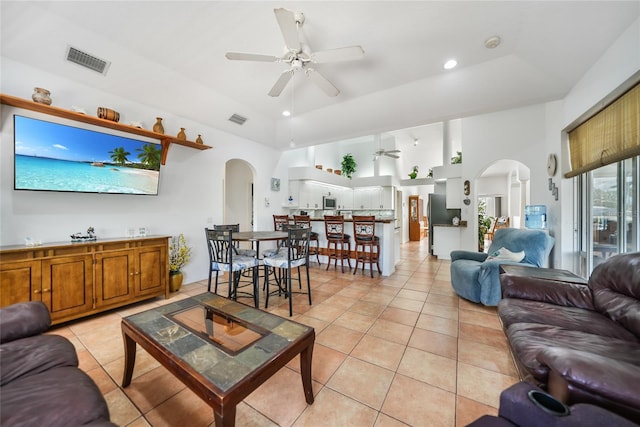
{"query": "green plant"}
{"type": "Point", "coordinates": [484, 222]}
{"type": "Point", "coordinates": [414, 172]}
{"type": "Point", "coordinates": [348, 165]}
{"type": "Point", "coordinates": [430, 174]}
{"type": "Point", "coordinates": [457, 158]}
{"type": "Point", "coordinates": [179, 253]}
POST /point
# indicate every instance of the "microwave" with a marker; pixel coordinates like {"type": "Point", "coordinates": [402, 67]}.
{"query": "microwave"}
{"type": "Point", "coordinates": [329, 203]}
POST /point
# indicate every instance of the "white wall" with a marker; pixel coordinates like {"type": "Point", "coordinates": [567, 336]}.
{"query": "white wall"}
{"type": "Point", "coordinates": [620, 63]}
{"type": "Point", "coordinates": [191, 185]}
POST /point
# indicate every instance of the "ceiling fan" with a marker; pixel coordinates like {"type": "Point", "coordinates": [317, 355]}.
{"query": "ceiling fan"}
{"type": "Point", "coordinates": [388, 153]}
{"type": "Point", "coordinates": [299, 56]}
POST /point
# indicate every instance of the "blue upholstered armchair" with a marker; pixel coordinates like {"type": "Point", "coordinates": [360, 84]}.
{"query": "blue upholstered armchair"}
{"type": "Point", "coordinates": [476, 278]}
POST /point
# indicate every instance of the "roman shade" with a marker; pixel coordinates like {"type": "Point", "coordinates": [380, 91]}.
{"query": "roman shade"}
{"type": "Point", "coordinates": [610, 136]}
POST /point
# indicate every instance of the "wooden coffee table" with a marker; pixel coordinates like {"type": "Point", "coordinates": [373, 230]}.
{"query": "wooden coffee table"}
{"type": "Point", "coordinates": [221, 349]}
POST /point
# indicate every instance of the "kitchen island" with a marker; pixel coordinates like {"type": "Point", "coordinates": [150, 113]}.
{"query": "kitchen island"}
{"type": "Point", "coordinates": [446, 238]}
{"type": "Point", "coordinates": [385, 230]}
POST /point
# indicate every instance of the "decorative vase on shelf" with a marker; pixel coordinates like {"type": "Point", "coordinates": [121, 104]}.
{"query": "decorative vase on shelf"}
{"type": "Point", "coordinates": [157, 126]}
{"type": "Point", "coordinates": [199, 140]}
{"type": "Point", "coordinates": [41, 96]}
{"type": "Point", "coordinates": [175, 280]}
{"type": "Point", "coordinates": [181, 135]}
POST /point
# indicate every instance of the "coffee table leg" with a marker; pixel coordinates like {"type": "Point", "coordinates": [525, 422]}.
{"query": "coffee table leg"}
{"type": "Point", "coordinates": [129, 358]}
{"type": "Point", "coordinates": [305, 370]}
{"type": "Point", "coordinates": [228, 419]}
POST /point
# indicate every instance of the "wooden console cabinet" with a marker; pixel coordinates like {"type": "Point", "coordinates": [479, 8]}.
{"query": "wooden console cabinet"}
{"type": "Point", "coordinates": [79, 279]}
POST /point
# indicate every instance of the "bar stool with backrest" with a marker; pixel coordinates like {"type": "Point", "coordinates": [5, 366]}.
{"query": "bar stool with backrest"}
{"type": "Point", "coordinates": [305, 221]}
{"type": "Point", "coordinates": [280, 223]}
{"type": "Point", "coordinates": [337, 241]}
{"type": "Point", "coordinates": [222, 258]}
{"type": "Point", "coordinates": [293, 254]}
{"type": "Point", "coordinates": [367, 244]}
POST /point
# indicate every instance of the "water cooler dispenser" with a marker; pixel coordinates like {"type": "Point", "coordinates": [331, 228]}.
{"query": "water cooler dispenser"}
{"type": "Point", "coordinates": [535, 216]}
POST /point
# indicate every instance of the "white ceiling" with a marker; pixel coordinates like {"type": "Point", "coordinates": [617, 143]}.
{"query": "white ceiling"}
{"type": "Point", "coordinates": [170, 55]}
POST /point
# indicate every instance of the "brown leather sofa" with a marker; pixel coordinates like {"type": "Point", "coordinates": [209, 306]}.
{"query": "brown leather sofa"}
{"type": "Point", "coordinates": [579, 342]}
{"type": "Point", "coordinates": [40, 383]}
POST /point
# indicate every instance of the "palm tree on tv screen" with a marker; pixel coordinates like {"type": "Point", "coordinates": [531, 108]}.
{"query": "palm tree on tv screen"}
{"type": "Point", "coordinates": [150, 156]}
{"type": "Point", "coordinates": [119, 155]}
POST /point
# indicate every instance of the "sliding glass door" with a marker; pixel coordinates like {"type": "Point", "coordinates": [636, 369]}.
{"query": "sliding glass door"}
{"type": "Point", "coordinates": [608, 201]}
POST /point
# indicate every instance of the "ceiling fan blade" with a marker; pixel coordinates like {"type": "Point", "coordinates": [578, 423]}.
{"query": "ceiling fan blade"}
{"type": "Point", "coordinates": [281, 83]}
{"type": "Point", "coordinates": [340, 54]}
{"type": "Point", "coordinates": [288, 27]}
{"type": "Point", "coordinates": [322, 82]}
{"type": "Point", "coordinates": [237, 56]}
{"type": "Point", "coordinates": [391, 155]}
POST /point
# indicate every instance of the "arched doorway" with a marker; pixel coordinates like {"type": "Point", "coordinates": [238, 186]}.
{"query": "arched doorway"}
{"type": "Point", "coordinates": [503, 190]}
{"type": "Point", "coordinates": [238, 194]}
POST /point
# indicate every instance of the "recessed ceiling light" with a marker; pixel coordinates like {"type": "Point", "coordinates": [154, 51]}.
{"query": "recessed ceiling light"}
{"type": "Point", "coordinates": [450, 64]}
{"type": "Point", "coordinates": [492, 42]}
{"type": "Point", "coordinates": [286, 113]}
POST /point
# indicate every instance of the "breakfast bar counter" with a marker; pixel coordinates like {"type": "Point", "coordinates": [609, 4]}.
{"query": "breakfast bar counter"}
{"type": "Point", "coordinates": [385, 230]}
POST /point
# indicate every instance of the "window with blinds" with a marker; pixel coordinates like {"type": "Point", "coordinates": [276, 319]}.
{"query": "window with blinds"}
{"type": "Point", "coordinates": [612, 135]}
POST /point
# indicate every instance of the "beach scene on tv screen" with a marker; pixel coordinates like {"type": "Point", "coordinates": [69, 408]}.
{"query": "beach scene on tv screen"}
{"type": "Point", "coordinates": [56, 157]}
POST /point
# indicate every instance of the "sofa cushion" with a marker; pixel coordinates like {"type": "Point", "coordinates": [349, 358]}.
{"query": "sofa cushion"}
{"type": "Point", "coordinates": [23, 320]}
{"type": "Point", "coordinates": [30, 356]}
{"type": "Point", "coordinates": [528, 339]}
{"type": "Point", "coordinates": [64, 396]}
{"type": "Point", "coordinates": [616, 290]}
{"type": "Point", "coordinates": [513, 310]}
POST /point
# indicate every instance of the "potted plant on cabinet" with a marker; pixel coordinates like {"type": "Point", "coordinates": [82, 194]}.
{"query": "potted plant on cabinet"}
{"type": "Point", "coordinates": [414, 172]}
{"type": "Point", "coordinates": [348, 165]}
{"type": "Point", "coordinates": [179, 256]}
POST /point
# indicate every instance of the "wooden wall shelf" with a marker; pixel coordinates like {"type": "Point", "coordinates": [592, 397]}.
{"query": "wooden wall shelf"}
{"type": "Point", "coordinates": [165, 140]}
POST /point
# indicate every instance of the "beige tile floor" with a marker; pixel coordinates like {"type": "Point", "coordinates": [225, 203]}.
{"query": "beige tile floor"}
{"type": "Point", "coordinates": [393, 351]}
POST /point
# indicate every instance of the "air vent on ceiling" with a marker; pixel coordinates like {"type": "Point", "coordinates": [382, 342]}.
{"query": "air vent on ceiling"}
{"type": "Point", "coordinates": [87, 60]}
{"type": "Point", "coordinates": [237, 118]}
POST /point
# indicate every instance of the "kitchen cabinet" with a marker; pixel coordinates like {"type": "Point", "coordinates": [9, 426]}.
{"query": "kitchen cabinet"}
{"type": "Point", "coordinates": [373, 197]}
{"type": "Point", "coordinates": [78, 279]}
{"type": "Point", "coordinates": [454, 193]}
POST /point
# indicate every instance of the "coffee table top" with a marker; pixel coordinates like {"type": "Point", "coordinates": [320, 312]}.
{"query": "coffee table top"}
{"type": "Point", "coordinates": [220, 339]}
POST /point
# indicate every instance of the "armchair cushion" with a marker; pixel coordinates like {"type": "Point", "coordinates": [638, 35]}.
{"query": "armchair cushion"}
{"type": "Point", "coordinates": [504, 254]}
{"type": "Point", "coordinates": [476, 277]}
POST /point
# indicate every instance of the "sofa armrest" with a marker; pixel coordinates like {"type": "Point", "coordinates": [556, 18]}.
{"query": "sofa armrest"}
{"type": "Point", "coordinates": [549, 291]}
{"type": "Point", "coordinates": [474, 256]}
{"type": "Point", "coordinates": [574, 372]}
{"type": "Point", "coordinates": [22, 320]}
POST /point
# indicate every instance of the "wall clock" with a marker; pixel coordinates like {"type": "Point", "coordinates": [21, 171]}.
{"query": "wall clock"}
{"type": "Point", "coordinates": [552, 164]}
{"type": "Point", "coordinates": [275, 184]}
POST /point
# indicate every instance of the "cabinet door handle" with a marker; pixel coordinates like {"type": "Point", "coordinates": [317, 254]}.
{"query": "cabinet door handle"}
{"type": "Point", "coordinates": [36, 291]}
{"type": "Point", "coordinates": [46, 290]}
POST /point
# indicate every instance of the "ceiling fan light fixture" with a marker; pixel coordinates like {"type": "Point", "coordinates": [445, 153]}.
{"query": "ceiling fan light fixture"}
{"type": "Point", "coordinates": [415, 142]}
{"type": "Point", "coordinates": [450, 64]}
{"type": "Point", "coordinates": [286, 113]}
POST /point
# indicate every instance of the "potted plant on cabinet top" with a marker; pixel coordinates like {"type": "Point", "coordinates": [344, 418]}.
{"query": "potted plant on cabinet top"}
{"type": "Point", "coordinates": [179, 256]}
{"type": "Point", "coordinates": [414, 172]}
{"type": "Point", "coordinates": [348, 165]}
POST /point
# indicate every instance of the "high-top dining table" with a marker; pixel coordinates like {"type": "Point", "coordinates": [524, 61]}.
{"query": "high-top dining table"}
{"type": "Point", "coordinates": [259, 236]}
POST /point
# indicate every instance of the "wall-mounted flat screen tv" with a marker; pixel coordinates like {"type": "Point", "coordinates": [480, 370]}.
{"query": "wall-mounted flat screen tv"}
{"type": "Point", "coordinates": [55, 157]}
